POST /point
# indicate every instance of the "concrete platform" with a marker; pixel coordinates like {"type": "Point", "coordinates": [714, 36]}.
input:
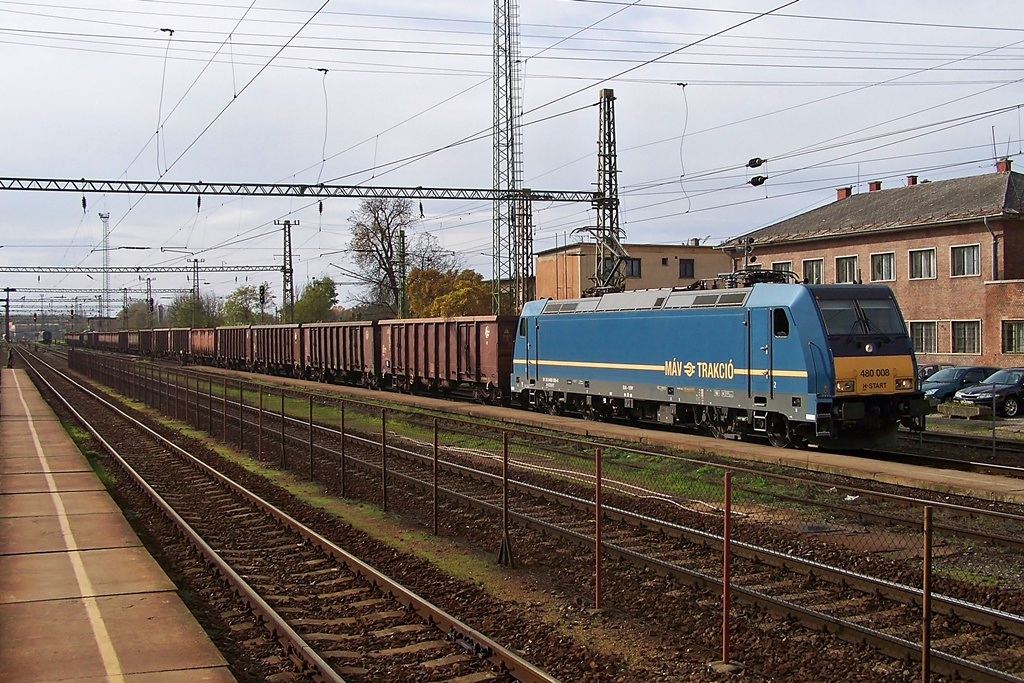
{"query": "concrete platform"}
{"type": "Point", "coordinates": [80, 598]}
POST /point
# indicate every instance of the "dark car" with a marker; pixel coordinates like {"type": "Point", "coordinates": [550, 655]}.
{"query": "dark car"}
{"type": "Point", "coordinates": [1008, 387]}
{"type": "Point", "coordinates": [943, 384]}
{"type": "Point", "coordinates": [926, 371]}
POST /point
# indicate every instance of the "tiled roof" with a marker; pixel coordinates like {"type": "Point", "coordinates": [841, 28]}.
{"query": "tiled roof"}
{"type": "Point", "coordinates": [914, 205]}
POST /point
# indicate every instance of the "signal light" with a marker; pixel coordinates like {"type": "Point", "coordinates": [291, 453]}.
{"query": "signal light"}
{"type": "Point", "coordinates": [34, 317]}
{"type": "Point", "coordinates": [263, 294]}
{"type": "Point", "coordinates": [150, 304]}
{"type": "Point", "coordinates": [72, 314]}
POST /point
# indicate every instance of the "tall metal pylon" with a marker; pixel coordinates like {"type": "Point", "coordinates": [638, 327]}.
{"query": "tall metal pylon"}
{"type": "Point", "coordinates": [609, 274]}
{"type": "Point", "coordinates": [105, 301]}
{"type": "Point", "coordinates": [511, 250]}
{"type": "Point", "coordinates": [288, 273]}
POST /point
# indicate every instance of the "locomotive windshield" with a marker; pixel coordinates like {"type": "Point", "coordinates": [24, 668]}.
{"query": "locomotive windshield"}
{"type": "Point", "coordinates": [861, 316]}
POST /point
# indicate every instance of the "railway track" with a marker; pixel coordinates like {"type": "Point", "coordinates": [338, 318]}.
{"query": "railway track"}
{"type": "Point", "coordinates": [808, 571]}
{"type": "Point", "coordinates": [335, 615]}
{"type": "Point", "coordinates": [960, 451]}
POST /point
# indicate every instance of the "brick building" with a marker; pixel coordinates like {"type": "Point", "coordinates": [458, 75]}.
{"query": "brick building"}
{"type": "Point", "coordinates": [951, 250]}
{"type": "Point", "coordinates": [564, 272]}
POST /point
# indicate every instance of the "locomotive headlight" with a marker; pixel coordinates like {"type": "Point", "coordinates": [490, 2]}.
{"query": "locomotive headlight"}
{"type": "Point", "coordinates": [845, 386]}
{"type": "Point", "coordinates": [869, 348]}
{"type": "Point", "coordinates": [905, 383]}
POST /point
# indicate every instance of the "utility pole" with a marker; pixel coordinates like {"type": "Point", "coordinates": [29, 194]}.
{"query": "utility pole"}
{"type": "Point", "coordinates": [509, 251]}
{"type": "Point", "coordinates": [403, 296]}
{"type": "Point", "coordinates": [124, 311]}
{"type": "Point", "coordinates": [7, 313]}
{"type": "Point", "coordinates": [288, 289]}
{"type": "Point", "coordinates": [105, 301]}
{"type": "Point", "coordinates": [195, 276]}
{"type": "Point", "coordinates": [609, 275]}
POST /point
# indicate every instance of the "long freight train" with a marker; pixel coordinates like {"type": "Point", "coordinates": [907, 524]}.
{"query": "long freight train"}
{"type": "Point", "coordinates": [797, 364]}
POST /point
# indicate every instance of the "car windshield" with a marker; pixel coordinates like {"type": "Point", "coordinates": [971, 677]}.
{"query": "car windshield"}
{"type": "Point", "coordinates": [1005, 377]}
{"type": "Point", "coordinates": [861, 316]}
{"type": "Point", "coordinates": [947, 375]}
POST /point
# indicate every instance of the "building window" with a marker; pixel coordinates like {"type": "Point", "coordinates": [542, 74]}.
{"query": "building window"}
{"type": "Point", "coordinates": [686, 268]}
{"type": "Point", "coordinates": [632, 267]}
{"type": "Point", "coordinates": [924, 336]}
{"type": "Point", "coordinates": [922, 264]}
{"type": "Point", "coordinates": [883, 267]}
{"type": "Point", "coordinates": [965, 260]}
{"type": "Point", "coordinates": [966, 336]}
{"type": "Point", "coordinates": [783, 266]}
{"type": "Point", "coordinates": [846, 269]}
{"type": "Point", "coordinates": [1013, 336]}
{"type": "Point", "coordinates": [664, 261]}
{"type": "Point", "coordinates": [814, 271]}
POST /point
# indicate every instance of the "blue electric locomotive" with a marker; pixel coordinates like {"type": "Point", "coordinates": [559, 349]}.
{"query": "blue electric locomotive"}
{"type": "Point", "coordinates": [797, 364]}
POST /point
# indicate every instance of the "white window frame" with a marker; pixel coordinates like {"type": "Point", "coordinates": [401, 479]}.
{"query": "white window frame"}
{"type": "Point", "coordinates": [952, 262]}
{"type": "Point", "coordinates": [856, 269]}
{"type": "Point", "coordinates": [788, 264]}
{"type": "Point", "coordinates": [952, 336]}
{"type": "Point", "coordinates": [871, 264]}
{"type": "Point", "coordinates": [935, 334]}
{"type": "Point", "coordinates": [910, 264]}
{"type": "Point", "coordinates": [804, 269]}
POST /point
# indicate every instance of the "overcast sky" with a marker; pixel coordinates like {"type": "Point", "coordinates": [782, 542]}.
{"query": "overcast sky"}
{"type": "Point", "coordinates": [378, 93]}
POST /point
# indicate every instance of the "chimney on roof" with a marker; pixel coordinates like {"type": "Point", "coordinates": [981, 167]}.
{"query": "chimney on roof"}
{"type": "Point", "coordinates": [843, 192]}
{"type": "Point", "coordinates": [694, 241]}
{"type": "Point", "coordinates": [874, 186]}
{"type": "Point", "coordinates": [1003, 165]}
{"type": "Point", "coordinates": [911, 180]}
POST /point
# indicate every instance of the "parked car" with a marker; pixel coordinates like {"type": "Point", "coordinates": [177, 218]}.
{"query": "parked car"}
{"type": "Point", "coordinates": [926, 371]}
{"type": "Point", "coordinates": [946, 382]}
{"type": "Point", "coordinates": [1007, 386]}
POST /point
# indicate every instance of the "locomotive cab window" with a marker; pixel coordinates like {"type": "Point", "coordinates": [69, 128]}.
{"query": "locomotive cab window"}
{"type": "Point", "coordinates": [861, 316]}
{"type": "Point", "coordinates": [522, 327]}
{"type": "Point", "coordinates": [780, 322]}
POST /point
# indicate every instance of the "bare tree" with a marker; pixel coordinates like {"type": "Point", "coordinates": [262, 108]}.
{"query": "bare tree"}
{"type": "Point", "coordinates": [376, 226]}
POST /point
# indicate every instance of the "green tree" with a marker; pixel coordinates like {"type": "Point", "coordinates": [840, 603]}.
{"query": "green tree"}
{"type": "Point", "coordinates": [242, 307]}
{"type": "Point", "coordinates": [375, 245]}
{"type": "Point", "coordinates": [137, 317]}
{"type": "Point", "coordinates": [186, 311]}
{"type": "Point", "coordinates": [316, 304]}
{"type": "Point", "coordinates": [435, 293]}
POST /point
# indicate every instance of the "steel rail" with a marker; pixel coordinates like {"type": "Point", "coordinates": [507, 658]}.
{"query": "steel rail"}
{"type": "Point", "coordinates": [276, 624]}
{"type": "Point", "coordinates": [466, 636]}
{"type": "Point", "coordinates": [893, 646]}
{"type": "Point", "coordinates": [946, 663]}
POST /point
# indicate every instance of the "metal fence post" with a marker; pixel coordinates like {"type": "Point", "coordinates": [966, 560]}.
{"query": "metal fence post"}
{"type": "Point", "coordinates": [505, 558]}
{"type": "Point", "coordinates": [259, 428]}
{"type": "Point", "coordinates": [224, 412]}
{"type": "Point", "coordinates": [435, 478]}
{"type": "Point", "coordinates": [341, 476]}
{"type": "Point", "coordinates": [926, 597]}
{"type": "Point", "coordinates": [384, 459]}
{"type": "Point", "coordinates": [598, 547]}
{"type": "Point", "coordinates": [241, 415]}
{"type": "Point", "coordinates": [209, 409]}
{"type": "Point", "coordinates": [311, 437]}
{"type": "Point", "coordinates": [284, 462]}
{"type": "Point", "coordinates": [726, 666]}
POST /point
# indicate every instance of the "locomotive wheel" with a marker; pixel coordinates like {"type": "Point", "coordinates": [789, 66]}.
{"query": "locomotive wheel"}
{"type": "Point", "coordinates": [778, 432]}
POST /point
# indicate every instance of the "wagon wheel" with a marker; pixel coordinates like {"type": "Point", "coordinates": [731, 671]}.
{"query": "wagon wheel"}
{"type": "Point", "coordinates": [778, 431]}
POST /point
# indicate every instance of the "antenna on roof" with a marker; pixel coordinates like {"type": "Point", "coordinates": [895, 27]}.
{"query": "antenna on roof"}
{"type": "Point", "coordinates": [995, 154]}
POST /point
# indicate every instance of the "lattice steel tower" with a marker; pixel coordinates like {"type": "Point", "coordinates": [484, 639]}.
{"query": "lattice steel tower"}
{"type": "Point", "coordinates": [513, 239]}
{"type": "Point", "coordinates": [609, 275]}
